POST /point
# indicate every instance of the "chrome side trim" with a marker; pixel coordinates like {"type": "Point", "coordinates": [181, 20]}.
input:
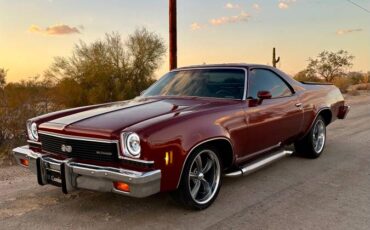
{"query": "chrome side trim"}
{"type": "Point", "coordinates": [245, 85]}
{"type": "Point", "coordinates": [256, 165]}
{"type": "Point", "coordinates": [79, 138]}
{"type": "Point", "coordinates": [34, 142]}
{"type": "Point", "coordinates": [137, 160]}
{"type": "Point", "coordinates": [197, 145]}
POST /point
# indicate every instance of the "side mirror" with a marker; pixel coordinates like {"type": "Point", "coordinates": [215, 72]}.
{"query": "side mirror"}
{"type": "Point", "coordinates": [262, 95]}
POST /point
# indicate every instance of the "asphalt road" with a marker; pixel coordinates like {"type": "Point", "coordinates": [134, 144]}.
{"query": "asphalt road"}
{"type": "Point", "coordinates": [332, 192]}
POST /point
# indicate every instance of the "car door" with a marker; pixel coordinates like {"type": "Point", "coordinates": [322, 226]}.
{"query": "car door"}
{"type": "Point", "coordinates": [270, 122]}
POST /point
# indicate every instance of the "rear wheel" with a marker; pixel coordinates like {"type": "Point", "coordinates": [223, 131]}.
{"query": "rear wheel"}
{"type": "Point", "coordinates": [313, 144]}
{"type": "Point", "coordinates": [201, 179]}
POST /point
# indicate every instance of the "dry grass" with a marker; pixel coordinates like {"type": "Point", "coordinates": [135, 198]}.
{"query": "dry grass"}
{"type": "Point", "coordinates": [353, 92]}
{"type": "Point", "coordinates": [363, 86]}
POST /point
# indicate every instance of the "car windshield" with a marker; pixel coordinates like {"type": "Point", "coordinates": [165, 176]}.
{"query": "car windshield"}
{"type": "Point", "coordinates": [216, 83]}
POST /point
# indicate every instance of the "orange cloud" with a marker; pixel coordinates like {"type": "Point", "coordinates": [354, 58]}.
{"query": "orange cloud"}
{"type": "Point", "coordinates": [243, 16]}
{"type": "Point", "coordinates": [284, 4]}
{"type": "Point", "coordinates": [232, 6]}
{"type": "Point", "coordinates": [347, 31]}
{"type": "Point", "coordinates": [34, 29]}
{"type": "Point", "coordinates": [59, 29]}
{"type": "Point", "coordinates": [196, 26]}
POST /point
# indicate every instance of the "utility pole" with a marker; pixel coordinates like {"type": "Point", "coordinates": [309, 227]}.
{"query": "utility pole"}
{"type": "Point", "coordinates": [173, 33]}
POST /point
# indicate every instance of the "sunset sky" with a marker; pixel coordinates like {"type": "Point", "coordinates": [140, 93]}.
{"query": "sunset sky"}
{"type": "Point", "coordinates": [32, 32]}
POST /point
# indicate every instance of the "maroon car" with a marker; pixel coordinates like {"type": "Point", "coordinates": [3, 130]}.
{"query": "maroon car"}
{"type": "Point", "coordinates": [183, 134]}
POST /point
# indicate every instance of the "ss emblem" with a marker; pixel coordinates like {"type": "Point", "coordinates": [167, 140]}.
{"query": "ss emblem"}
{"type": "Point", "coordinates": [66, 148]}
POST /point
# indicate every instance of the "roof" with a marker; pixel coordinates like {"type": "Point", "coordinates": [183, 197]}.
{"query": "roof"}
{"type": "Point", "coordinates": [226, 65]}
{"type": "Point", "coordinates": [245, 66]}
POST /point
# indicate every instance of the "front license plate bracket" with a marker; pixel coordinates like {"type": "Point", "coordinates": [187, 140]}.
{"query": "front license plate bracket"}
{"type": "Point", "coordinates": [51, 176]}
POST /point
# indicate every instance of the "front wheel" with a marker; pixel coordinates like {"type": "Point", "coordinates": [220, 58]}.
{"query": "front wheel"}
{"type": "Point", "coordinates": [313, 144]}
{"type": "Point", "coordinates": [201, 179]}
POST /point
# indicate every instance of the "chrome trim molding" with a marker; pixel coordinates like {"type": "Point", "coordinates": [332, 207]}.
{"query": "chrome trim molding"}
{"type": "Point", "coordinates": [258, 164]}
{"type": "Point", "coordinates": [92, 177]}
{"type": "Point", "coordinates": [137, 160]}
{"type": "Point", "coordinates": [197, 145]}
{"type": "Point", "coordinates": [34, 142]}
{"type": "Point", "coordinates": [79, 138]}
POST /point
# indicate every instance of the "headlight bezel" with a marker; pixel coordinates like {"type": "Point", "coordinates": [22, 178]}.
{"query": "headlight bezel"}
{"type": "Point", "coordinates": [32, 131]}
{"type": "Point", "coordinates": [127, 147]}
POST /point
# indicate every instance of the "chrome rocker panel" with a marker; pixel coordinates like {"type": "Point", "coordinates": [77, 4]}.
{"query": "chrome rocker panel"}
{"type": "Point", "coordinates": [92, 177]}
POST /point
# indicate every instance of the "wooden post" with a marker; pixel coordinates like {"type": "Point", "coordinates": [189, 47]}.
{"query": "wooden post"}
{"type": "Point", "coordinates": [173, 34]}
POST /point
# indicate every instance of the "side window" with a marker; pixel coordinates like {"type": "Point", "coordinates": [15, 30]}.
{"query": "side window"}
{"type": "Point", "coordinates": [265, 80]}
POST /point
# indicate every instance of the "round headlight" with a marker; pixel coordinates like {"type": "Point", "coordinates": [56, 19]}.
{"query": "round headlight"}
{"type": "Point", "coordinates": [133, 144]}
{"type": "Point", "coordinates": [32, 131]}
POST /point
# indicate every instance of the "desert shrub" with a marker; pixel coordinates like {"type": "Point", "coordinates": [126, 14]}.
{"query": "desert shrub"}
{"type": "Point", "coordinates": [19, 102]}
{"type": "Point", "coordinates": [103, 71]}
{"type": "Point", "coordinates": [366, 78]}
{"type": "Point", "coordinates": [305, 76]}
{"type": "Point", "coordinates": [364, 86]}
{"type": "Point", "coordinates": [353, 92]}
{"type": "Point", "coordinates": [342, 83]}
{"type": "Point", "coordinates": [107, 70]}
{"type": "Point", "coordinates": [355, 77]}
{"type": "Point", "coordinates": [358, 77]}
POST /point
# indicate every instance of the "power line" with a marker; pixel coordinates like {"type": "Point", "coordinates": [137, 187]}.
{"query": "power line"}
{"type": "Point", "coordinates": [355, 4]}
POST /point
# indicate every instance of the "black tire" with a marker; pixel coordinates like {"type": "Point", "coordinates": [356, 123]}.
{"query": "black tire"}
{"type": "Point", "coordinates": [308, 146]}
{"type": "Point", "coordinates": [183, 194]}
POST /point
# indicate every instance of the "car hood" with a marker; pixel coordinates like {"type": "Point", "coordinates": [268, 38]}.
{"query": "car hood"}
{"type": "Point", "coordinates": [110, 119]}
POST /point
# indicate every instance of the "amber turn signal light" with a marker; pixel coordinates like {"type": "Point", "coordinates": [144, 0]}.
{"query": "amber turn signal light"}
{"type": "Point", "coordinates": [121, 186]}
{"type": "Point", "coordinates": [24, 162]}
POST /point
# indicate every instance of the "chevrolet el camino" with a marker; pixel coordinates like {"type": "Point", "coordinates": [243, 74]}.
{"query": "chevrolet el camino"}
{"type": "Point", "coordinates": [183, 134]}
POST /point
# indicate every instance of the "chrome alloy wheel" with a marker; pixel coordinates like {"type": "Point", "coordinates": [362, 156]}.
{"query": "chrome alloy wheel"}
{"type": "Point", "coordinates": [318, 136]}
{"type": "Point", "coordinates": [204, 176]}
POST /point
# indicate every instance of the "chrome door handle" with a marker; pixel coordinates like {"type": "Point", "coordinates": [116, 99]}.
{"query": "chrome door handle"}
{"type": "Point", "coordinates": [299, 105]}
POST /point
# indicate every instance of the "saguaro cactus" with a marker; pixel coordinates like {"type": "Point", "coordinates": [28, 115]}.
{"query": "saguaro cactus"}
{"type": "Point", "coordinates": [274, 59]}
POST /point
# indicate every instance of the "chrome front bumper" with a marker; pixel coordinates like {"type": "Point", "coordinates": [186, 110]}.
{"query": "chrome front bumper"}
{"type": "Point", "coordinates": [75, 175]}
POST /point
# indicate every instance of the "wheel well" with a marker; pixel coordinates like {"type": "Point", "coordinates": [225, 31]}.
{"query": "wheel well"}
{"type": "Point", "coordinates": [326, 115]}
{"type": "Point", "coordinates": [224, 148]}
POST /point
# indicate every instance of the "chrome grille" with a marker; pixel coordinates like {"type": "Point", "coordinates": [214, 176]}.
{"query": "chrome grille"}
{"type": "Point", "coordinates": [82, 149]}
